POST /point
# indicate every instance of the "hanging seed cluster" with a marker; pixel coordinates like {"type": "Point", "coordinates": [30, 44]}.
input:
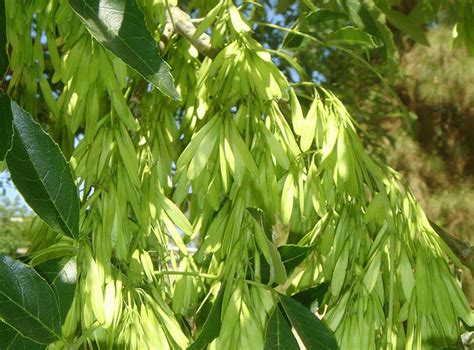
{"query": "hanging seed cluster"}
{"type": "Point", "coordinates": [156, 175]}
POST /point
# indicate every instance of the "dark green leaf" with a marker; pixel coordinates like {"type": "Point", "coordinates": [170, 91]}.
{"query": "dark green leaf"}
{"type": "Point", "coordinates": [407, 25]}
{"type": "Point", "coordinates": [293, 40]}
{"type": "Point", "coordinates": [259, 216]}
{"type": "Point", "coordinates": [308, 296]}
{"type": "Point", "coordinates": [264, 270]}
{"type": "Point", "coordinates": [10, 339]}
{"type": "Point", "coordinates": [360, 15]}
{"type": "Point", "coordinates": [313, 332]}
{"type": "Point", "coordinates": [120, 26]}
{"type": "Point", "coordinates": [292, 255]}
{"type": "Point", "coordinates": [352, 36]}
{"type": "Point", "coordinates": [6, 125]}
{"type": "Point", "coordinates": [212, 327]}
{"type": "Point", "coordinates": [319, 16]}
{"type": "Point", "coordinates": [42, 175]}
{"type": "Point", "coordinates": [278, 335]}
{"type": "Point", "coordinates": [27, 302]}
{"type": "Point", "coordinates": [61, 274]}
{"type": "Point", "coordinates": [3, 41]}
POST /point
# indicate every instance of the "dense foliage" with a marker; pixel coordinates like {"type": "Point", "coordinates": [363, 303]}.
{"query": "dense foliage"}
{"type": "Point", "coordinates": [240, 158]}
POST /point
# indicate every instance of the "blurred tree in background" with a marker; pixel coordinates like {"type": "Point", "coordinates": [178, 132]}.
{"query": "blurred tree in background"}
{"type": "Point", "coordinates": [14, 217]}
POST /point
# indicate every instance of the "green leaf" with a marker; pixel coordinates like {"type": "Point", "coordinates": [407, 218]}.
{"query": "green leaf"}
{"type": "Point", "coordinates": [120, 27]}
{"type": "Point", "coordinates": [42, 175]}
{"type": "Point", "coordinates": [10, 339]}
{"type": "Point", "coordinates": [177, 216]}
{"type": "Point", "coordinates": [278, 335]}
{"type": "Point", "coordinates": [275, 268]}
{"type": "Point", "coordinates": [360, 15]}
{"type": "Point", "coordinates": [463, 31]}
{"type": "Point", "coordinates": [319, 16]}
{"type": "Point", "coordinates": [212, 327]}
{"type": "Point", "coordinates": [3, 41]}
{"type": "Point", "coordinates": [27, 302]}
{"type": "Point", "coordinates": [259, 216]}
{"type": "Point", "coordinates": [61, 274]}
{"type": "Point", "coordinates": [308, 296]}
{"type": "Point", "coordinates": [292, 255]}
{"type": "Point", "coordinates": [280, 270]}
{"type": "Point", "coordinates": [407, 25]}
{"type": "Point", "coordinates": [276, 149]}
{"type": "Point", "coordinates": [352, 36]}
{"type": "Point", "coordinates": [371, 21]}
{"type": "Point", "coordinates": [6, 125]}
{"type": "Point", "coordinates": [313, 332]}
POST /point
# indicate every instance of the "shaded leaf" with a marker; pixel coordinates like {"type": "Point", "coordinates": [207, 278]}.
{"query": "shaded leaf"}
{"type": "Point", "coordinates": [322, 15]}
{"type": "Point", "coordinates": [407, 25]}
{"type": "Point", "coordinates": [42, 175]}
{"type": "Point", "coordinates": [275, 268]}
{"type": "Point", "coordinates": [292, 255]}
{"type": "Point", "coordinates": [278, 266]}
{"type": "Point", "coordinates": [6, 125]}
{"type": "Point", "coordinates": [212, 327]}
{"type": "Point", "coordinates": [308, 296]}
{"type": "Point", "coordinates": [10, 339]}
{"type": "Point", "coordinates": [3, 41]}
{"type": "Point", "coordinates": [120, 26]}
{"type": "Point", "coordinates": [278, 335]}
{"type": "Point", "coordinates": [464, 30]}
{"type": "Point", "coordinates": [352, 36]}
{"type": "Point", "coordinates": [292, 40]}
{"type": "Point", "coordinates": [264, 269]}
{"type": "Point", "coordinates": [360, 15]}
{"type": "Point", "coordinates": [27, 302]}
{"type": "Point", "coordinates": [259, 216]}
{"type": "Point", "coordinates": [313, 332]}
{"type": "Point", "coordinates": [61, 274]}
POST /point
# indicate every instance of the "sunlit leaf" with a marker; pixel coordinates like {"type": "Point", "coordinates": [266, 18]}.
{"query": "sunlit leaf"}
{"type": "Point", "coordinates": [119, 25]}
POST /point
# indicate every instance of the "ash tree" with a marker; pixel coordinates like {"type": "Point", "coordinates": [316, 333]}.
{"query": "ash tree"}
{"type": "Point", "coordinates": [195, 189]}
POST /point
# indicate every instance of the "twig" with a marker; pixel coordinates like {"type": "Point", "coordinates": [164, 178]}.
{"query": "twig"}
{"type": "Point", "coordinates": [180, 22]}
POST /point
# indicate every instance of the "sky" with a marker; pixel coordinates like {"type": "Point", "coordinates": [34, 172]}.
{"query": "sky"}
{"type": "Point", "coordinates": [8, 190]}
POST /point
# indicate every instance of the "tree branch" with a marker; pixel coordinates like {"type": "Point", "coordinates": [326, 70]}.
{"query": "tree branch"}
{"type": "Point", "coordinates": [180, 22]}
